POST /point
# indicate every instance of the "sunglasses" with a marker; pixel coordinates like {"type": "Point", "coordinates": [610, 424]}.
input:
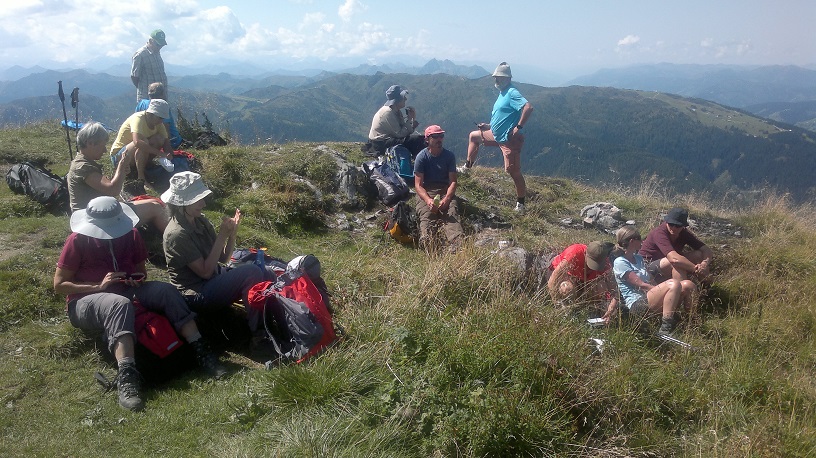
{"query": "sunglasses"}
{"type": "Point", "coordinates": [674, 225]}
{"type": "Point", "coordinates": [436, 136]}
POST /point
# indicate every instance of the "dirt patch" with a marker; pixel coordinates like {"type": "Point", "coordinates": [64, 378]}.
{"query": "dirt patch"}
{"type": "Point", "coordinates": [11, 246]}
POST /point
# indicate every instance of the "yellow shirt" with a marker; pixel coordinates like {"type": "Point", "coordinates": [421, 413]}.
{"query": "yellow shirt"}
{"type": "Point", "coordinates": [137, 123]}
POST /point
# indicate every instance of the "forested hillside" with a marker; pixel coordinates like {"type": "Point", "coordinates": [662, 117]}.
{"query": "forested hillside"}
{"type": "Point", "coordinates": [600, 135]}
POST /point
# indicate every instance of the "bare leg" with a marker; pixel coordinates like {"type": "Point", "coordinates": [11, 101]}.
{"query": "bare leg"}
{"type": "Point", "coordinates": [123, 348]}
{"type": "Point", "coordinates": [151, 211]}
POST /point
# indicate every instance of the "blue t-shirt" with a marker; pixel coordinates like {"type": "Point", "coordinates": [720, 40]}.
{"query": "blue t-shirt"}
{"type": "Point", "coordinates": [506, 112]}
{"type": "Point", "coordinates": [435, 170]}
{"type": "Point", "coordinates": [621, 267]}
{"type": "Point", "coordinates": [175, 136]}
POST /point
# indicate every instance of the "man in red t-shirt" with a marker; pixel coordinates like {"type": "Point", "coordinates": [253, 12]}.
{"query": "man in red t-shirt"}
{"type": "Point", "coordinates": [664, 247]}
{"type": "Point", "coordinates": [572, 273]}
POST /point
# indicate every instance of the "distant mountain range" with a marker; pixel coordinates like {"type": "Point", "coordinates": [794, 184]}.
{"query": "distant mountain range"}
{"type": "Point", "coordinates": [789, 89]}
{"type": "Point", "coordinates": [589, 133]}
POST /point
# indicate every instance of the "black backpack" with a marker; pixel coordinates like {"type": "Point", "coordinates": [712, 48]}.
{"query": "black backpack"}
{"type": "Point", "coordinates": [391, 188]}
{"type": "Point", "coordinates": [39, 184]}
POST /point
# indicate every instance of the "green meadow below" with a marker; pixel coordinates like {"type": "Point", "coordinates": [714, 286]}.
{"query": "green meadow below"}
{"type": "Point", "coordinates": [447, 355]}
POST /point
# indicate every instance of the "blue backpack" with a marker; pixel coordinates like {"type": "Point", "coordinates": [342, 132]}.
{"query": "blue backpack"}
{"type": "Point", "coordinates": [399, 159]}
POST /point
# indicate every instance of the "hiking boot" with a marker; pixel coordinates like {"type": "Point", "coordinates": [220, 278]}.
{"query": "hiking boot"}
{"type": "Point", "coordinates": [464, 169]}
{"type": "Point", "coordinates": [129, 383]}
{"type": "Point", "coordinates": [207, 360]}
{"type": "Point", "coordinates": [519, 208]}
{"type": "Point", "coordinates": [668, 325]}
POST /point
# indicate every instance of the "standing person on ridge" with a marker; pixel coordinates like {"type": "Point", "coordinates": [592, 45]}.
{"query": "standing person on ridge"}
{"type": "Point", "coordinates": [147, 65]}
{"type": "Point", "coordinates": [510, 113]}
{"type": "Point", "coordinates": [435, 184]}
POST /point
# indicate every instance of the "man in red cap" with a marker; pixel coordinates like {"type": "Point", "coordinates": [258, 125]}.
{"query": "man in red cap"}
{"type": "Point", "coordinates": [435, 185]}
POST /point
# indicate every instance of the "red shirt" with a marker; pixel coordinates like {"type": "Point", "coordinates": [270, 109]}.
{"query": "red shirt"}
{"type": "Point", "coordinates": [658, 243]}
{"type": "Point", "coordinates": [91, 259]}
{"type": "Point", "coordinates": [576, 256]}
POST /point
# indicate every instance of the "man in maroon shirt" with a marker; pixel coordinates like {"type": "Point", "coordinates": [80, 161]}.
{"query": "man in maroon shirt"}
{"type": "Point", "coordinates": [663, 250]}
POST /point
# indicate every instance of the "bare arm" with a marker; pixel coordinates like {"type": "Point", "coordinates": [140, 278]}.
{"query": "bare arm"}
{"type": "Point", "coordinates": [558, 275]}
{"type": "Point", "coordinates": [64, 282]}
{"type": "Point", "coordinates": [221, 249]}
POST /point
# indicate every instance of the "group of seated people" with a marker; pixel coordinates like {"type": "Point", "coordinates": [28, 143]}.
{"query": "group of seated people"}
{"type": "Point", "coordinates": [650, 276]}
{"type": "Point", "coordinates": [102, 267]}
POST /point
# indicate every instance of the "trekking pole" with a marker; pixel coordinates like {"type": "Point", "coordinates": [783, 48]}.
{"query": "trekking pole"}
{"type": "Point", "coordinates": [75, 104]}
{"type": "Point", "coordinates": [65, 118]}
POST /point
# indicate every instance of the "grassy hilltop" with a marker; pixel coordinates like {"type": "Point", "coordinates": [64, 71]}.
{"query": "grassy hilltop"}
{"type": "Point", "coordinates": [452, 355]}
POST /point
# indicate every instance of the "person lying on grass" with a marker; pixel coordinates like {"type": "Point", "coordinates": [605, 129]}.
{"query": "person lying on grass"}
{"type": "Point", "coordinates": [86, 179]}
{"type": "Point", "coordinates": [102, 271]}
{"type": "Point", "coordinates": [640, 292]}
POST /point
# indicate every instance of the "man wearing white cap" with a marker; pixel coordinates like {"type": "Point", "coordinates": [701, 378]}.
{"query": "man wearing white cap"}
{"type": "Point", "coordinates": [143, 136]}
{"type": "Point", "coordinates": [102, 271]}
{"type": "Point", "coordinates": [510, 113]}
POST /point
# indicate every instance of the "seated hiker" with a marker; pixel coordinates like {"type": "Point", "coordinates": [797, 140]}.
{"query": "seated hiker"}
{"type": "Point", "coordinates": [86, 181]}
{"type": "Point", "coordinates": [580, 273]}
{"type": "Point", "coordinates": [195, 254]}
{"type": "Point", "coordinates": [664, 252]}
{"type": "Point", "coordinates": [435, 184]}
{"type": "Point", "coordinates": [389, 127]}
{"type": "Point", "coordinates": [144, 135]}
{"type": "Point", "coordinates": [643, 294]}
{"type": "Point", "coordinates": [96, 269]}
{"type": "Point", "coordinates": [157, 91]}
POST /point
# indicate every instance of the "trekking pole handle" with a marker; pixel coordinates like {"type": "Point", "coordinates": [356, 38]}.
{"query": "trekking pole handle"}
{"type": "Point", "coordinates": [75, 97]}
{"type": "Point", "coordinates": [61, 94]}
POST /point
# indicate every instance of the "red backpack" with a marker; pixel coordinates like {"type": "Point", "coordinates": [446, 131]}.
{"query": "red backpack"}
{"type": "Point", "coordinates": [155, 332]}
{"type": "Point", "coordinates": [304, 325]}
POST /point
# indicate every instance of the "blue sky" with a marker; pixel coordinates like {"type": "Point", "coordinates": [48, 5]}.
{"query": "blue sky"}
{"type": "Point", "coordinates": [568, 37]}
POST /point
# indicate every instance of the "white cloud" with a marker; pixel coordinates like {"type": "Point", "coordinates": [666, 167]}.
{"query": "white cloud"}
{"type": "Point", "coordinates": [349, 8]}
{"type": "Point", "coordinates": [628, 40]}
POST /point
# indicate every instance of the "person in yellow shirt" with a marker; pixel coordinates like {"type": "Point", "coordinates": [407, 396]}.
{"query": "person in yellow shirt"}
{"type": "Point", "coordinates": [141, 137]}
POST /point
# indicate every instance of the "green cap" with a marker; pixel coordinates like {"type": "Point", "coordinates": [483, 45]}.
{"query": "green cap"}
{"type": "Point", "coordinates": [158, 36]}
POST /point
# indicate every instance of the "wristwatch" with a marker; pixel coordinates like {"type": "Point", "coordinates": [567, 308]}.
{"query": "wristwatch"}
{"type": "Point", "coordinates": [519, 126]}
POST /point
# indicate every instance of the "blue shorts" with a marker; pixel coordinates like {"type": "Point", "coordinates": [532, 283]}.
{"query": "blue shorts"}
{"type": "Point", "coordinates": [115, 157]}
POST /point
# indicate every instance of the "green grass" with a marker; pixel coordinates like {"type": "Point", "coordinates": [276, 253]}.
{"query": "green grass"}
{"type": "Point", "coordinates": [449, 355]}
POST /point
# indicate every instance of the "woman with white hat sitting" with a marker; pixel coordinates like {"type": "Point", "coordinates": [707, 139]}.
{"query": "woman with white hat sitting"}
{"type": "Point", "coordinates": [194, 251]}
{"type": "Point", "coordinates": [102, 271]}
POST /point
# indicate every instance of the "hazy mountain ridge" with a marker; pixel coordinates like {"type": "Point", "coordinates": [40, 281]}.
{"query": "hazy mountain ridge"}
{"type": "Point", "coordinates": [589, 133]}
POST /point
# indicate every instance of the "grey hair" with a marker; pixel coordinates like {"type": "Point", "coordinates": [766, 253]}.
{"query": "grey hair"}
{"type": "Point", "coordinates": [92, 132]}
{"type": "Point", "coordinates": [155, 91]}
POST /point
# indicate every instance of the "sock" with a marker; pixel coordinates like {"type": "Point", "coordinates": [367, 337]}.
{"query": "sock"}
{"type": "Point", "coordinates": [126, 360]}
{"type": "Point", "coordinates": [468, 164]}
{"type": "Point", "coordinates": [520, 200]}
{"type": "Point", "coordinates": [194, 337]}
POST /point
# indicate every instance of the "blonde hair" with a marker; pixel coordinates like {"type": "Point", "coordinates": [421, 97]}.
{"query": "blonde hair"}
{"type": "Point", "coordinates": [626, 234]}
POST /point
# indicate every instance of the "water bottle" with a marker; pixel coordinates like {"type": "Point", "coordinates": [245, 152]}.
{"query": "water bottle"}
{"type": "Point", "coordinates": [259, 257]}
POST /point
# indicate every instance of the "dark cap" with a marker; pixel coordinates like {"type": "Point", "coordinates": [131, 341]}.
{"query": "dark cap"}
{"type": "Point", "coordinates": [677, 216]}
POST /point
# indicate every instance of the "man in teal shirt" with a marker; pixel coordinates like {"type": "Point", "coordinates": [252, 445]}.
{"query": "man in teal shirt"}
{"type": "Point", "coordinates": [510, 113]}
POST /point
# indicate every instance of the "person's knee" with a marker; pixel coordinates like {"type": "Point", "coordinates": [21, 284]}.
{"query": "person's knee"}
{"type": "Point", "coordinates": [475, 136]}
{"type": "Point", "coordinates": [565, 288]}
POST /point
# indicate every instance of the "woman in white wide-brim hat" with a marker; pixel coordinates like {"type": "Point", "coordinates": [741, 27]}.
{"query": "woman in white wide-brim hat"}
{"type": "Point", "coordinates": [194, 252]}
{"type": "Point", "coordinates": [102, 271]}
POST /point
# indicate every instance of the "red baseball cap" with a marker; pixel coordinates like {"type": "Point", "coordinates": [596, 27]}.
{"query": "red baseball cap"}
{"type": "Point", "coordinates": [434, 129]}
